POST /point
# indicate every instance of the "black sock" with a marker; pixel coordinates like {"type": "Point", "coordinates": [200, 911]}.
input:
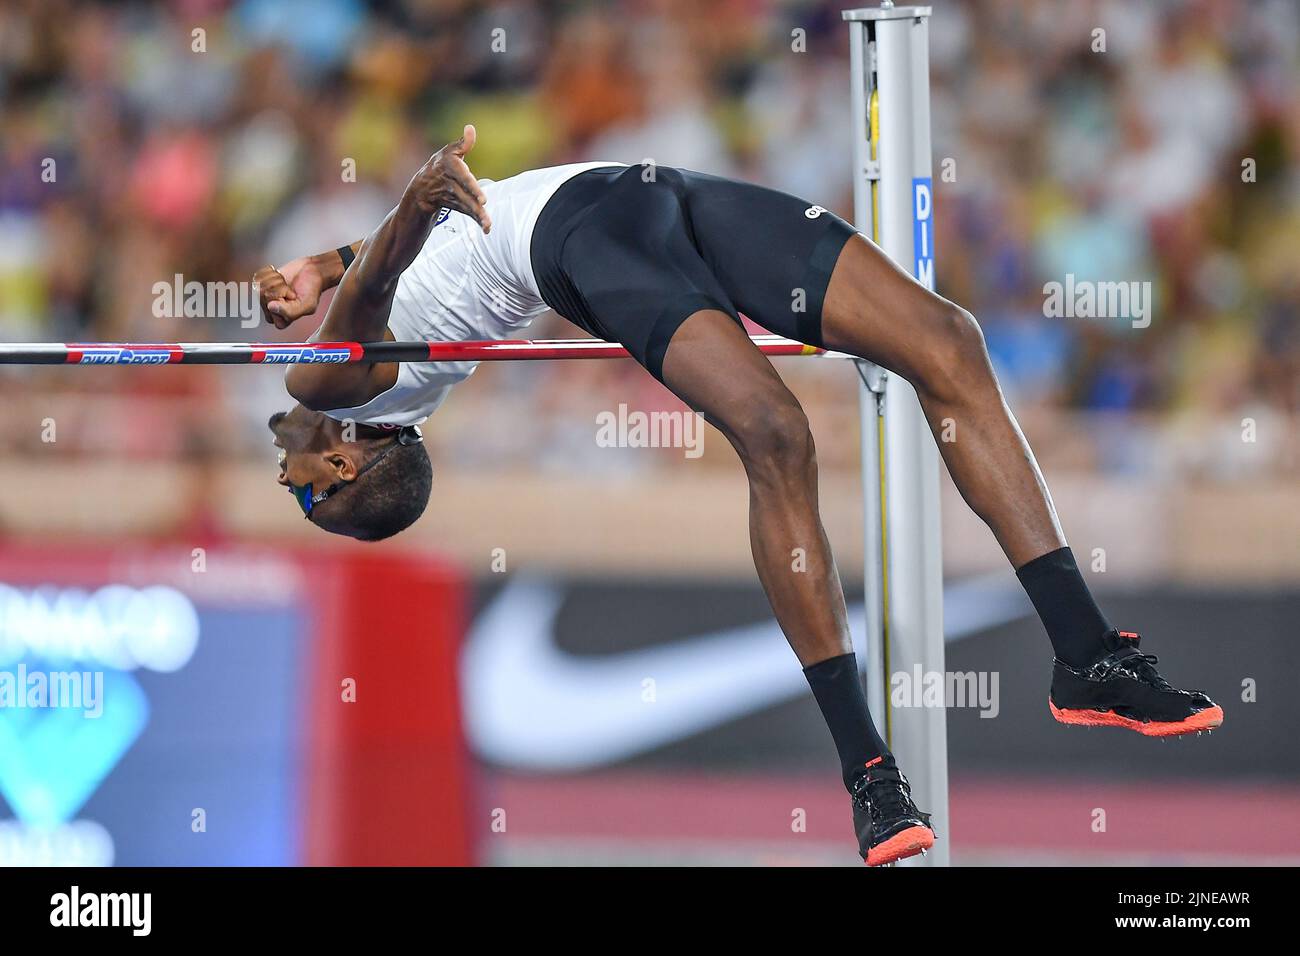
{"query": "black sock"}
{"type": "Point", "coordinates": [838, 690]}
{"type": "Point", "coordinates": [1075, 625]}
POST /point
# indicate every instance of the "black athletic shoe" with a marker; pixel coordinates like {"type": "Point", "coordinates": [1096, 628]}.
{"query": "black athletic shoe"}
{"type": "Point", "coordinates": [1124, 689]}
{"type": "Point", "coordinates": [888, 824]}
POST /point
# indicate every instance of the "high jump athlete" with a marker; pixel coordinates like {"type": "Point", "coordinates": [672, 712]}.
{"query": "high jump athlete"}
{"type": "Point", "coordinates": [662, 260]}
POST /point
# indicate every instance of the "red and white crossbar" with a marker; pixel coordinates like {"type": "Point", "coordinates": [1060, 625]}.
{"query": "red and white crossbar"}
{"type": "Point", "coordinates": [334, 353]}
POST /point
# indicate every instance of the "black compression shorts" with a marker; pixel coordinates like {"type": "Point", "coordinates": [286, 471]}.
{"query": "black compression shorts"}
{"type": "Point", "coordinates": [629, 260]}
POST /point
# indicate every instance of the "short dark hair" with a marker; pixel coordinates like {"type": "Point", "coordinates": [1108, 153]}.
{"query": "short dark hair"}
{"type": "Point", "coordinates": [387, 499]}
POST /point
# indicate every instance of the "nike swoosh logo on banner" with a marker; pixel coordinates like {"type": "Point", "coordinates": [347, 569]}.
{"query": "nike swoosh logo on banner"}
{"type": "Point", "coordinates": [528, 704]}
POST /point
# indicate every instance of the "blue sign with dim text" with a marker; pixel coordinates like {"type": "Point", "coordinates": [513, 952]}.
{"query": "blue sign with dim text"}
{"type": "Point", "coordinates": [923, 231]}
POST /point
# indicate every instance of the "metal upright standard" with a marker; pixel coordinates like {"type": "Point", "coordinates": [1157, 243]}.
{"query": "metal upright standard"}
{"type": "Point", "coordinates": [894, 205]}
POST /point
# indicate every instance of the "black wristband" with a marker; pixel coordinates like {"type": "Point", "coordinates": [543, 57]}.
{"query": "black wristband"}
{"type": "Point", "coordinates": [347, 255]}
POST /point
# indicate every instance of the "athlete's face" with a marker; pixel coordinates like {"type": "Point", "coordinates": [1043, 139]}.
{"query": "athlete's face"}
{"type": "Point", "coordinates": [309, 448]}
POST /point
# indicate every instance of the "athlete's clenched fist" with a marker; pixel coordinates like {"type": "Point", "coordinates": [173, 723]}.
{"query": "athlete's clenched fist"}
{"type": "Point", "coordinates": [289, 292]}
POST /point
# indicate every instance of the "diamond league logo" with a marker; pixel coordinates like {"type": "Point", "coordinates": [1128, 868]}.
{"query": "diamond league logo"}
{"type": "Point", "coordinates": [53, 757]}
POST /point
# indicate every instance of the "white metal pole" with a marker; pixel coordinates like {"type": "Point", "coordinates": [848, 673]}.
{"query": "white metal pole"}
{"type": "Point", "coordinates": [871, 389]}
{"type": "Point", "coordinates": [891, 46]}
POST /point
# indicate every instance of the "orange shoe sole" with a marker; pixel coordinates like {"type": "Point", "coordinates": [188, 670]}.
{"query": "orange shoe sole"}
{"type": "Point", "coordinates": [909, 842]}
{"type": "Point", "coordinates": [1206, 719]}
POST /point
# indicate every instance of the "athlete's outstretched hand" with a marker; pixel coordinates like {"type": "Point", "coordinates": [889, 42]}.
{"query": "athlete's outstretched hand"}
{"type": "Point", "coordinates": [446, 182]}
{"type": "Point", "coordinates": [291, 291]}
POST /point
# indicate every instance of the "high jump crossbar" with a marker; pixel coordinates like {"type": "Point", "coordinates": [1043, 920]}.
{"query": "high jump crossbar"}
{"type": "Point", "coordinates": [339, 353]}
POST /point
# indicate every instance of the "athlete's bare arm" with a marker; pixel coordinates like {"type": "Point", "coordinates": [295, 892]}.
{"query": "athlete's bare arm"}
{"type": "Point", "coordinates": [360, 310]}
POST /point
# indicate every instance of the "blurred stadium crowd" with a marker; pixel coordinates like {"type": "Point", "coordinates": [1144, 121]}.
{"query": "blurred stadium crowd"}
{"type": "Point", "coordinates": [1173, 156]}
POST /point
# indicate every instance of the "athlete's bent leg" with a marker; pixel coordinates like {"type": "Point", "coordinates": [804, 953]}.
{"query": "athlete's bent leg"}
{"type": "Point", "coordinates": [712, 366]}
{"type": "Point", "coordinates": [875, 310]}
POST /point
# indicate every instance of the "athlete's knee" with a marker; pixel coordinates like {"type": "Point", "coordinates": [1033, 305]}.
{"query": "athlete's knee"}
{"type": "Point", "coordinates": [956, 358]}
{"type": "Point", "coordinates": [773, 438]}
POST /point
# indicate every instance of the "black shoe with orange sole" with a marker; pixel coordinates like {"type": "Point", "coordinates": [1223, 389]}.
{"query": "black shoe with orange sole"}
{"type": "Point", "coordinates": [1124, 689]}
{"type": "Point", "coordinates": [889, 826]}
